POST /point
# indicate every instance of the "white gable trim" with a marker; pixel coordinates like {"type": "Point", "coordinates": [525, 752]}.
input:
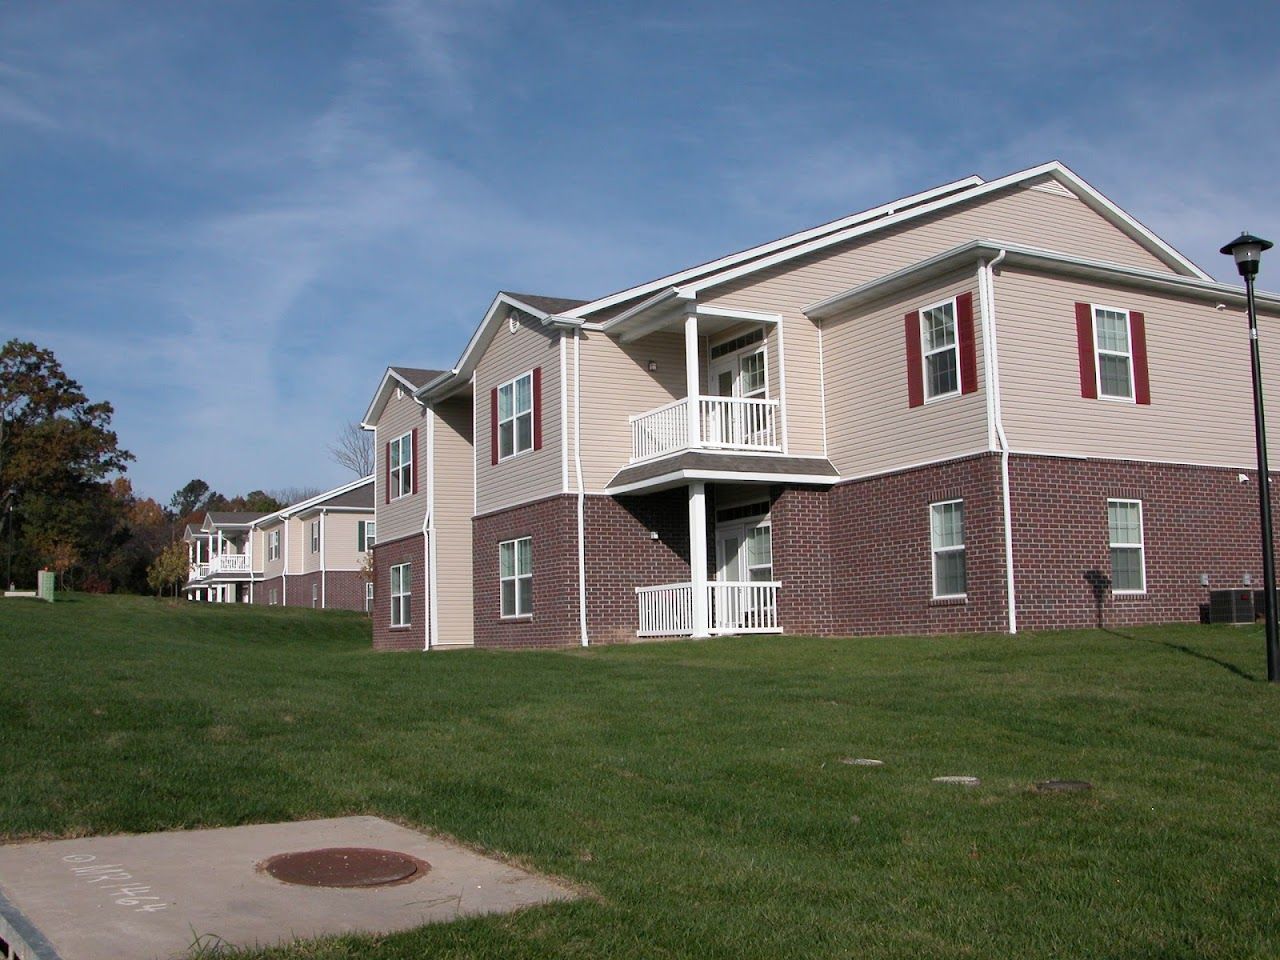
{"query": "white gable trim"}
{"type": "Point", "coordinates": [1054, 168]}
{"type": "Point", "coordinates": [382, 394]}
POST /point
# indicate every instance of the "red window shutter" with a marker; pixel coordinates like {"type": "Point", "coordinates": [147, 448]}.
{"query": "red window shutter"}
{"type": "Point", "coordinates": [493, 426]}
{"type": "Point", "coordinates": [537, 408]}
{"type": "Point", "coordinates": [915, 376]}
{"type": "Point", "coordinates": [386, 457]}
{"type": "Point", "coordinates": [968, 344]}
{"type": "Point", "coordinates": [1138, 343]}
{"type": "Point", "coordinates": [1084, 346]}
{"type": "Point", "coordinates": [414, 457]}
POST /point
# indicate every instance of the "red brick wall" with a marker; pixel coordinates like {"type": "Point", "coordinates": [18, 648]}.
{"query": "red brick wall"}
{"type": "Point", "coordinates": [344, 590]}
{"type": "Point", "coordinates": [262, 591]}
{"type": "Point", "coordinates": [1195, 520]}
{"type": "Point", "coordinates": [300, 589]}
{"type": "Point", "coordinates": [880, 565]}
{"type": "Point", "coordinates": [552, 525]}
{"type": "Point", "coordinates": [385, 556]}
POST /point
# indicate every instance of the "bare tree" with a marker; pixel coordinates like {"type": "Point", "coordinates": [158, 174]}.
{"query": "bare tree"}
{"type": "Point", "coordinates": [291, 495]}
{"type": "Point", "coordinates": [353, 449]}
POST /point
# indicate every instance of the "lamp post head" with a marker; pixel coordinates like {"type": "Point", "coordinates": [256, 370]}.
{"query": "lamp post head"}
{"type": "Point", "coordinates": [1247, 251]}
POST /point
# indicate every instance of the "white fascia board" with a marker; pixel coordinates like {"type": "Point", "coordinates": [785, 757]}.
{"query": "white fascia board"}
{"type": "Point", "coordinates": [765, 248]}
{"type": "Point", "coordinates": [728, 313]}
{"type": "Point", "coordinates": [1054, 168]}
{"type": "Point", "coordinates": [294, 509]}
{"type": "Point", "coordinates": [475, 346]}
{"type": "Point", "coordinates": [369, 421]}
{"type": "Point", "coordinates": [680, 476]}
{"type": "Point", "coordinates": [1017, 255]}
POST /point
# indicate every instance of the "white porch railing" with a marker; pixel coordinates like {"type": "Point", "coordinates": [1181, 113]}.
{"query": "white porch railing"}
{"type": "Point", "coordinates": [732, 607]}
{"type": "Point", "coordinates": [230, 563]}
{"type": "Point", "coordinates": [199, 571]}
{"type": "Point", "coordinates": [724, 423]}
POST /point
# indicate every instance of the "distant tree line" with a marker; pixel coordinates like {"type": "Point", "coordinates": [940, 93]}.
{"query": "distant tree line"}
{"type": "Point", "coordinates": [65, 502]}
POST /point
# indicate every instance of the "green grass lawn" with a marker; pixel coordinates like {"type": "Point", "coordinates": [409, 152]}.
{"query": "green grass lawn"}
{"type": "Point", "coordinates": [695, 786]}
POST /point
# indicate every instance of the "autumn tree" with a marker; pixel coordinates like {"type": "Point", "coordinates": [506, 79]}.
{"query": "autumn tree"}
{"type": "Point", "coordinates": [169, 569]}
{"type": "Point", "coordinates": [58, 454]}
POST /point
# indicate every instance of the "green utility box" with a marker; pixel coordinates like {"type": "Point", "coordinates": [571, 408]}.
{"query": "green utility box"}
{"type": "Point", "coordinates": [46, 580]}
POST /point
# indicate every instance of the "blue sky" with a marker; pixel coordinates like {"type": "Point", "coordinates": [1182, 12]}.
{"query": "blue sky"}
{"type": "Point", "coordinates": [227, 218]}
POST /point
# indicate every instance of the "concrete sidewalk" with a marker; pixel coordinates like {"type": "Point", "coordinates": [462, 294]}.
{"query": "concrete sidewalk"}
{"type": "Point", "coordinates": [158, 895]}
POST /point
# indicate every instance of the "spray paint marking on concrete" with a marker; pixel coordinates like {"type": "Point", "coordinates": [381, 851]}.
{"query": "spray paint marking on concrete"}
{"type": "Point", "coordinates": [84, 866]}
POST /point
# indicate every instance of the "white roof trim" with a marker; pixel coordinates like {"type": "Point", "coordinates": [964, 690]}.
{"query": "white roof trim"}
{"type": "Point", "coordinates": [735, 258]}
{"type": "Point", "coordinates": [1054, 168]}
{"type": "Point", "coordinates": [1018, 255]}
{"type": "Point", "coordinates": [284, 513]}
{"type": "Point", "coordinates": [376, 404]}
{"type": "Point", "coordinates": [694, 473]}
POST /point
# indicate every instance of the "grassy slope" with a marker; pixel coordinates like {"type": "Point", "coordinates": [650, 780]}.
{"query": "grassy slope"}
{"type": "Point", "coordinates": [695, 786]}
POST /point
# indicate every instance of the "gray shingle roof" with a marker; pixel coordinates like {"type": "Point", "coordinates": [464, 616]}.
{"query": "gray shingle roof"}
{"type": "Point", "coordinates": [360, 497]}
{"type": "Point", "coordinates": [546, 304]}
{"type": "Point", "coordinates": [416, 375]}
{"type": "Point", "coordinates": [223, 518]}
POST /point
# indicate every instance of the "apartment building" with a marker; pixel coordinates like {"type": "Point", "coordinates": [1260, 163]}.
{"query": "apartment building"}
{"type": "Point", "coordinates": [991, 405]}
{"type": "Point", "coordinates": [308, 554]}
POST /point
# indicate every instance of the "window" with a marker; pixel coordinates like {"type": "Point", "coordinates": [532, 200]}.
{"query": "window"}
{"type": "Point", "coordinates": [273, 545]}
{"type": "Point", "coordinates": [947, 522]}
{"type": "Point", "coordinates": [751, 380]}
{"type": "Point", "coordinates": [275, 596]}
{"type": "Point", "coordinates": [364, 535]}
{"type": "Point", "coordinates": [760, 553]}
{"type": "Point", "coordinates": [1115, 353]}
{"type": "Point", "coordinates": [315, 594]}
{"type": "Point", "coordinates": [400, 612]}
{"type": "Point", "coordinates": [515, 416]}
{"type": "Point", "coordinates": [515, 574]}
{"type": "Point", "coordinates": [941, 350]}
{"type": "Point", "coordinates": [1128, 554]}
{"type": "Point", "coordinates": [401, 466]}
{"type": "Point", "coordinates": [315, 536]}
{"type": "Point", "coordinates": [368, 597]}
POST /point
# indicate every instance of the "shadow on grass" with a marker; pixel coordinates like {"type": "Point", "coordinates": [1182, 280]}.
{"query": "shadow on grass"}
{"type": "Point", "coordinates": [1190, 652]}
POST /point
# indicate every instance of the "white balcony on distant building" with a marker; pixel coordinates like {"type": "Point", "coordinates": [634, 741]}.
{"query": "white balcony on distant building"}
{"type": "Point", "coordinates": [718, 423]}
{"type": "Point", "coordinates": [229, 563]}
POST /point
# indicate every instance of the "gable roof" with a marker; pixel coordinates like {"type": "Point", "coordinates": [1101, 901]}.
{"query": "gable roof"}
{"type": "Point", "coordinates": [411, 379]}
{"type": "Point", "coordinates": [539, 307]}
{"type": "Point", "coordinates": [221, 518]}
{"type": "Point", "coordinates": [359, 490]}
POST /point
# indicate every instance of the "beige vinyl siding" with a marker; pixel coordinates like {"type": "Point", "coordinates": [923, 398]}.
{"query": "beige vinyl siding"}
{"type": "Point", "coordinates": [1201, 408]}
{"type": "Point", "coordinates": [310, 561]}
{"type": "Point", "coordinates": [872, 428]}
{"type": "Point", "coordinates": [403, 516]}
{"type": "Point", "coordinates": [453, 479]}
{"type": "Point", "coordinates": [616, 385]}
{"type": "Point", "coordinates": [272, 568]}
{"type": "Point", "coordinates": [340, 542]}
{"type": "Point", "coordinates": [257, 550]}
{"type": "Point", "coordinates": [533, 474]}
{"type": "Point", "coordinates": [1017, 215]}
{"type": "Point", "coordinates": [294, 530]}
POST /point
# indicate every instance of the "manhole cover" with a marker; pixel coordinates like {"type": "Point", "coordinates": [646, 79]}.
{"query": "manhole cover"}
{"type": "Point", "coordinates": [345, 867]}
{"type": "Point", "coordinates": [1063, 786]}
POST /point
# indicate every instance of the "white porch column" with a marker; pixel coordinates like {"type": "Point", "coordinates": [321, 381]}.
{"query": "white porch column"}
{"type": "Point", "coordinates": [698, 556]}
{"type": "Point", "coordinates": [691, 379]}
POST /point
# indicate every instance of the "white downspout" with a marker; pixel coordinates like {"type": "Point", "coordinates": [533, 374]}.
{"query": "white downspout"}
{"type": "Point", "coordinates": [284, 568]}
{"type": "Point", "coordinates": [991, 356]}
{"type": "Point", "coordinates": [429, 533]}
{"type": "Point", "coordinates": [323, 571]}
{"type": "Point", "coordinates": [577, 466]}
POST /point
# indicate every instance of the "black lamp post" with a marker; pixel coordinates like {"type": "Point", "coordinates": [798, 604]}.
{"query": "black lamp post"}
{"type": "Point", "coordinates": [1247, 251]}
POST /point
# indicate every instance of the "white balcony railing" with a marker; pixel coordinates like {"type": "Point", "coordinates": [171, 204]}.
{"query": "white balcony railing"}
{"type": "Point", "coordinates": [724, 423]}
{"type": "Point", "coordinates": [199, 571]}
{"type": "Point", "coordinates": [230, 563]}
{"type": "Point", "coordinates": [732, 607]}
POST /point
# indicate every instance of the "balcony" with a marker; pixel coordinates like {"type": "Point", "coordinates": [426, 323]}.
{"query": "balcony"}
{"type": "Point", "coordinates": [229, 563]}
{"type": "Point", "coordinates": [747, 607]}
{"type": "Point", "coordinates": [199, 571]}
{"type": "Point", "coordinates": [721, 423]}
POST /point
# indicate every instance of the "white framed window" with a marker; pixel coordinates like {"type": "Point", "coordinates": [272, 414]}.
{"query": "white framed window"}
{"type": "Point", "coordinates": [315, 595]}
{"type": "Point", "coordinates": [760, 552]}
{"type": "Point", "coordinates": [315, 536]}
{"type": "Point", "coordinates": [275, 596]}
{"type": "Point", "coordinates": [946, 521]}
{"type": "Point", "coordinates": [402, 466]}
{"type": "Point", "coordinates": [940, 349]}
{"type": "Point", "coordinates": [368, 597]}
{"type": "Point", "coordinates": [273, 545]}
{"type": "Point", "coordinates": [365, 530]}
{"type": "Point", "coordinates": [515, 576]}
{"type": "Point", "coordinates": [515, 416]}
{"type": "Point", "coordinates": [400, 595]}
{"type": "Point", "coordinates": [1128, 549]}
{"type": "Point", "coordinates": [1113, 353]}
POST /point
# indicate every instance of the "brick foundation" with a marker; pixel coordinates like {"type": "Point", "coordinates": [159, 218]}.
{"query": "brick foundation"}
{"type": "Point", "coordinates": [262, 591]}
{"type": "Point", "coordinates": [344, 590]}
{"type": "Point", "coordinates": [385, 556]}
{"type": "Point", "coordinates": [1196, 520]}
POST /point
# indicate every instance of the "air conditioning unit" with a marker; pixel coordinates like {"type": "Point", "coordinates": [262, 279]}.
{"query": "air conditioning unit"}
{"type": "Point", "coordinates": [1231, 606]}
